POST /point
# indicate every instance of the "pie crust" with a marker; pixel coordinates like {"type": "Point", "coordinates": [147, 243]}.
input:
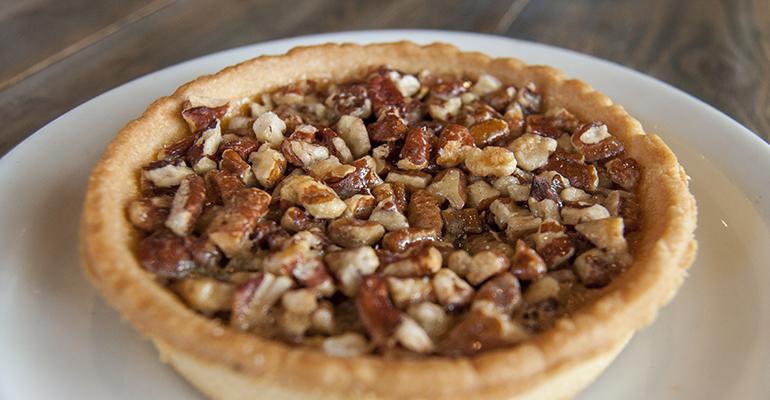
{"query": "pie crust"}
{"type": "Point", "coordinates": [227, 363]}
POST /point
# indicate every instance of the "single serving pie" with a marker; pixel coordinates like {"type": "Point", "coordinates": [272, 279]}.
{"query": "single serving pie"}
{"type": "Point", "coordinates": [387, 221]}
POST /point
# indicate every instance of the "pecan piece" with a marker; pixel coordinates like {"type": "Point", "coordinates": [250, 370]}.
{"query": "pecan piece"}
{"type": "Point", "coordinates": [233, 164]}
{"type": "Point", "coordinates": [452, 144]}
{"type": "Point", "coordinates": [532, 151]}
{"type": "Point", "coordinates": [424, 211]}
{"type": "Point", "coordinates": [489, 132]}
{"type": "Point", "coordinates": [481, 330]}
{"type": "Point", "coordinates": [149, 214]}
{"type": "Point", "coordinates": [350, 232]}
{"type": "Point", "coordinates": [492, 160]}
{"type": "Point", "coordinates": [407, 291]}
{"type": "Point", "coordinates": [207, 295]}
{"type": "Point", "coordinates": [416, 151]}
{"type": "Point", "coordinates": [450, 184]}
{"type": "Point", "coordinates": [580, 175]}
{"type": "Point", "coordinates": [502, 292]}
{"type": "Point", "coordinates": [389, 127]}
{"type": "Point", "coordinates": [268, 166]}
{"type": "Point", "coordinates": [479, 267]}
{"type": "Point", "coordinates": [595, 268]}
{"type": "Point", "coordinates": [481, 195]}
{"type": "Point", "coordinates": [319, 200]}
{"type": "Point", "coordinates": [359, 206]}
{"type": "Point", "coordinates": [420, 261]}
{"type": "Point", "coordinates": [253, 300]}
{"type": "Point", "coordinates": [451, 291]}
{"type": "Point", "coordinates": [165, 254]}
{"type": "Point", "coordinates": [606, 234]}
{"type": "Point", "coordinates": [350, 100]}
{"type": "Point", "coordinates": [187, 205]}
{"type": "Point", "coordinates": [353, 131]}
{"type": "Point", "coordinates": [624, 172]}
{"type": "Point", "coordinates": [201, 117]}
{"type": "Point", "coordinates": [351, 266]}
{"type": "Point", "coordinates": [269, 128]}
{"type": "Point", "coordinates": [295, 219]}
{"type": "Point", "coordinates": [402, 239]}
{"type": "Point", "coordinates": [377, 313]}
{"type": "Point", "coordinates": [595, 143]}
{"type": "Point", "coordinates": [526, 264]}
{"type": "Point", "coordinates": [384, 94]}
{"type": "Point", "coordinates": [412, 180]}
{"type": "Point", "coordinates": [461, 222]}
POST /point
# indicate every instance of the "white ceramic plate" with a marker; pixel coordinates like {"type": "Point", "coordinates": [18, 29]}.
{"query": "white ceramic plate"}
{"type": "Point", "coordinates": [58, 339]}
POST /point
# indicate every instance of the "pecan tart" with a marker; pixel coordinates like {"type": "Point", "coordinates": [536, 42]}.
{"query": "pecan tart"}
{"type": "Point", "coordinates": [387, 221]}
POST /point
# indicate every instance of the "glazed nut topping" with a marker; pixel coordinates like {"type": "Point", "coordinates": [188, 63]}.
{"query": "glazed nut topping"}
{"type": "Point", "coordinates": [401, 213]}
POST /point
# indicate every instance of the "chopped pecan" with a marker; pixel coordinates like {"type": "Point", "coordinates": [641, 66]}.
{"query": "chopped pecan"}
{"type": "Point", "coordinates": [269, 128]}
{"type": "Point", "coordinates": [500, 98]}
{"type": "Point", "coordinates": [542, 126]}
{"type": "Point", "coordinates": [575, 215]}
{"type": "Point", "coordinates": [479, 267]}
{"type": "Point", "coordinates": [187, 205]}
{"type": "Point", "coordinates": [377, 313]}
{"type": "Point", "coordinates": [393, 192]}
{"type": "Point", "coordinates": [353, 131]}
{"type": "Point", "coordinates": [176, 150]}
{"type": "Point", "coordinates": [399, 240]}
{"type": "Point", "coordinates": [350, 100]}
{"type": "Point", "coordinates": [595, 143]}
{"type": "Point", "coordinates": [606, 234]}
{"type": "Point", "coordinates": [502, 292]}
{"type": "Point", "coordinates": [416, 151]}
{"type": "Point", "coordinates": [243, 145]}
{"type": "Point", "coordinates": [384, 94]}
{"type": "Point", "coordinates": [253, 300]}
{"type": "Point", "coordinates": [431, 316]}
{"type": "Point", "coordinates": [532, 151]}
{"type": "Point", "coordinates": [488, 241]}
{"type": "Point", "coordinates": [424, 211]}
{"type": "Point", "coordinates": [407, 291]}
{"type": "Point", "coordinates": [165, 174]}
{"type": "Point", "coordinates": [389, 127]}
{"type": "Point", "coordinates": [351, 266]}
{"type": "Point", "coordinates": [485, 84]}
{"type": "Point", "coordinates": [295, 219]}
{"type": "Point", "coordinates": [412, 180]}
{"type": "Point", "coordinates": [595, 268]}
{"type": "Point", "coordinates": [542, 290]}
{"type": "Point", "coordinates": [624, 172]}
{"type": "Point", "coordinates": [451, 290]}
{"type": "Point", "coordinates": [207, 295]}
{"type": "Point", "coordinates": [624, 204]}
{"type": "Point", "coordinates": [481, 330]}
{"type": "Point", "coordinates": [481, 194]}
{"type": "Point", "coordinates": [553, 244]}
{"type": "Point", "coordinates": [268, 166]}
{"type": "Point", "coordinates": [360, 180]}
{"type": "Point", "coordinates": [303, 147]}
{"type": "Point", "coordinates": [319, 200]}
{"type": "Point", "coordinates": [492, 160]}
{"type": "Point", "coordinates": [350, 232]}
{"type": "Point", "coordinates": [528, 98]}
{"type": "Point", "coordinates": [580, 175]}
{"type": "Point", "coordinates": [233, 164]}
{"type": "Point", "coordinates": [231, 227]}
{"type": "Point", "coordinates": [419, 261]}
{"type": "Point", "coordinates": [451, 185]}
{"type": "Point", "coordinates": [502, 209]}
{"type": "Point", "coordinates": [359, 206]}
{"type": "Point", "coordinates": [444, 109]}
{"type": "Point", "coordinates": [520, 225]}
{"type": "Point", "coordinates": [149, 214]}
{"type": "Point", "coordinates": [452, 145]}
{"type": "Point", "coordinates": [461, 222]}
{"type": "Point", "coordinates": [526, 264]}
{"type": "Point", "coordinates": [512, 187]}
{"type": "Point", "coordinates": [201, 117]}
{"type": "Point", "coordinates": [492, 131]}
{"type": "Point", "coordinates": [166, 254]}
{"type": "Point", "coordinates": [223, 184]}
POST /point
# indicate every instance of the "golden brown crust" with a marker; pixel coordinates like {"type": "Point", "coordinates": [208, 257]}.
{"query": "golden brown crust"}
{"type": "Point", "coordinates": [666, 247]}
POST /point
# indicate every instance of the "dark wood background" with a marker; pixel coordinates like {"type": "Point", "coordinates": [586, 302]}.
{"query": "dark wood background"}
{"type": "Point", "coordinates": [56, 54]}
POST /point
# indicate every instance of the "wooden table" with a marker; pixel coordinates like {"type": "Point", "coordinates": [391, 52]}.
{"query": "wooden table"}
{"type": "Point", "coordinates": [55, 55]}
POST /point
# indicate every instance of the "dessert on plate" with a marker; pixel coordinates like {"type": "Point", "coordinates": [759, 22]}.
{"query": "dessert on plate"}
{"type": "Point", "coordinates": [387, 221]}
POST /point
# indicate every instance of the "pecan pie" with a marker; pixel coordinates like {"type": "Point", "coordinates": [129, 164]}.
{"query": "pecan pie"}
{"type": "Point", "coordinates": [387, 221]}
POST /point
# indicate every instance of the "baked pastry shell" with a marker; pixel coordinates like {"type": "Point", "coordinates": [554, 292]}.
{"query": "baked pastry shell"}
{"type": "Point", "coordinates": [664, 248]}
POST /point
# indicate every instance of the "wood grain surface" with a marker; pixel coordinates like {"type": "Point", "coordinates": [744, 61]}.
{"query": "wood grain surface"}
{"type": "Point", "coordinates": [55, 55]}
